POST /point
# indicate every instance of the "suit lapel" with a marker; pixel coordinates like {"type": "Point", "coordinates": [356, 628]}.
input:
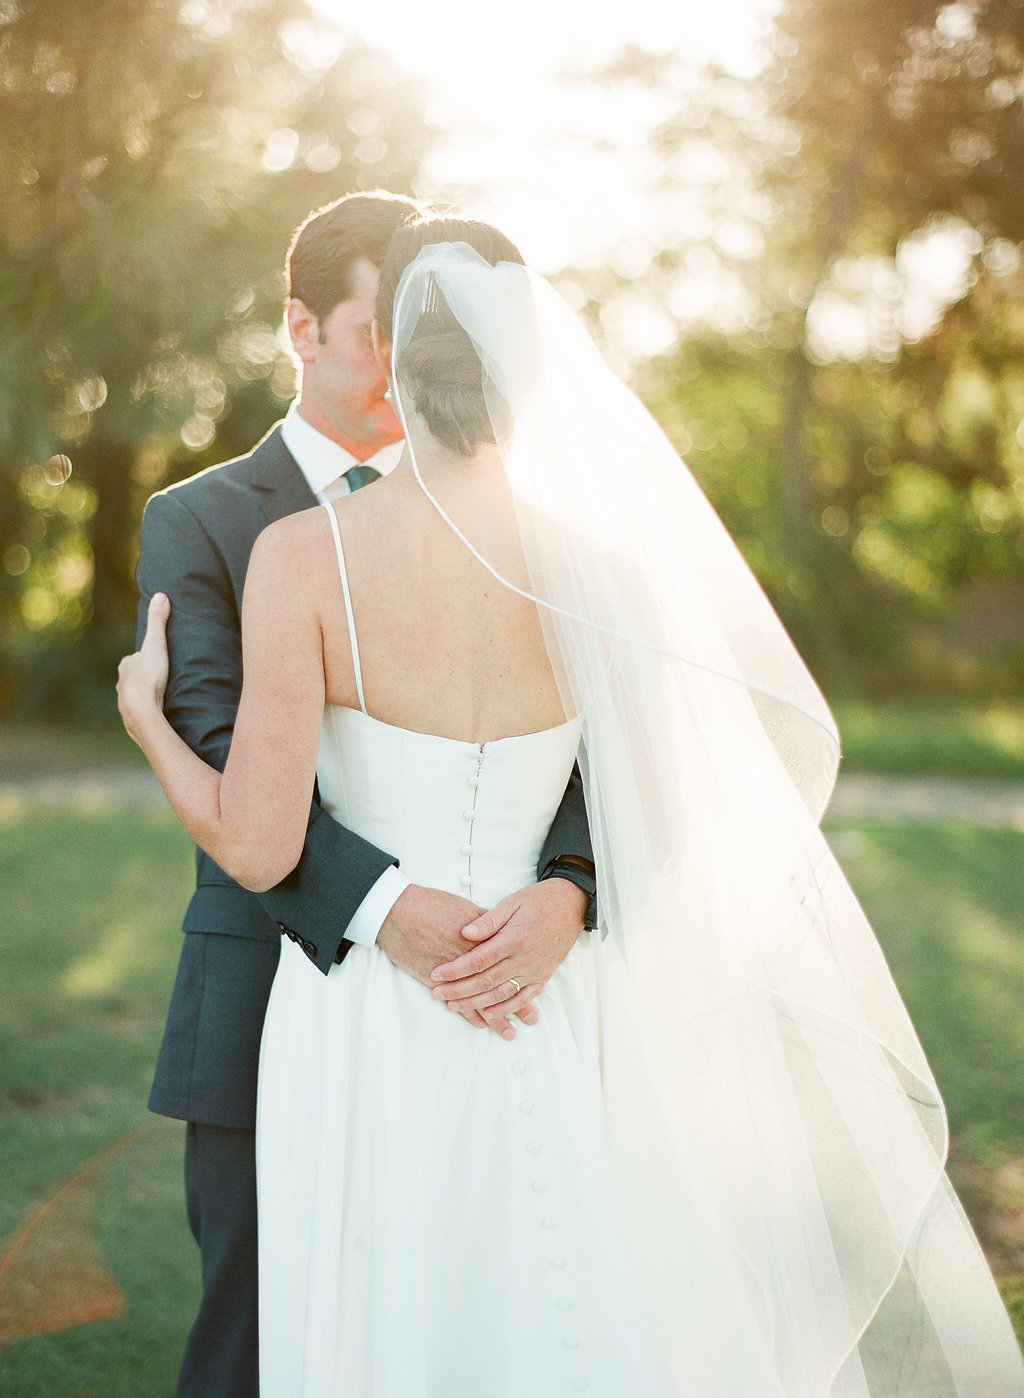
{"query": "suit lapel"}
{"type": "Point", "coordinates": [276, 476]}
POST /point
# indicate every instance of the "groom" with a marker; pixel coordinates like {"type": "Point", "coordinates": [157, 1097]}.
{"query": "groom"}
{"type": "Point", "coordinates": [337, 436]}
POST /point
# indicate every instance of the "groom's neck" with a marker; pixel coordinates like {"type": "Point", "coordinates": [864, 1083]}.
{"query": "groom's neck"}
{"type": "Point", "coordinates": [362, 440]}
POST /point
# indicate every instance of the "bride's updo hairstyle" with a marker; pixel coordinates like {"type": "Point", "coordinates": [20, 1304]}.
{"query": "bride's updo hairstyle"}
{"type": "Point", "coordinates": [440, 368]}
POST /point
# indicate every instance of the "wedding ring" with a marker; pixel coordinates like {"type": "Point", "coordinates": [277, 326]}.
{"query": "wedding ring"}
{"type": "Point", "coordinates": [513, 981]}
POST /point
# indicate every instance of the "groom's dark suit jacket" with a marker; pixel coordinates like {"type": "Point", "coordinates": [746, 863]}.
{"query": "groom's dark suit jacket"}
{"type": "Point", "coordinates": [196, 540]}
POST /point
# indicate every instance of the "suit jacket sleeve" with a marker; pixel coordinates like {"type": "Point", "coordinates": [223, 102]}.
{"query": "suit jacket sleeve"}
{"type": "Point", "coordinates": [178, 556]}
{"type": "Point", "coordinates": [570, 830]}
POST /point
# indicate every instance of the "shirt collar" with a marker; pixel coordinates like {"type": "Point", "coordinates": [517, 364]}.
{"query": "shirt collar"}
{"type": "Point", "coordinates": [322, 461]}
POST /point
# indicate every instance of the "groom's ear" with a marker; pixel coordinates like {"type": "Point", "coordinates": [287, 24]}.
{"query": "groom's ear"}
{"type": "Point", "coordinates": [381, 347]}
{"type": "Point", "coordinates": [303, 329]}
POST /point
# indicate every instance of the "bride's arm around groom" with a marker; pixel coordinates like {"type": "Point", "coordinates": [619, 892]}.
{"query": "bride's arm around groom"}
{"type": "Point", "coordinates": [197, 537]}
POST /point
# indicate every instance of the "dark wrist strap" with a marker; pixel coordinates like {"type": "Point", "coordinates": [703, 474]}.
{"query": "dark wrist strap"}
{"type": "Point", "coordinates": [581, 872]}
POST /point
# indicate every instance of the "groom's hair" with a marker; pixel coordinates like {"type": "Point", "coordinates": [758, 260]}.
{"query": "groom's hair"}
{"type": "Point", "coordinates": [329, 241]}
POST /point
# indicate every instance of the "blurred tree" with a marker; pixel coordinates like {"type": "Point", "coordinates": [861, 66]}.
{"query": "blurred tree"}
{"type": "Point", "coordinates": [156, 156]}
{"type": "Point", "coordinates": [860, 422]}
{"type": "Point", "coordinates": [902, 475]}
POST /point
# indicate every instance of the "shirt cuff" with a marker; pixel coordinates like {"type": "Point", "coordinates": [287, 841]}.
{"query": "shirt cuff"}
{"type": "Point", "coordinates": [369, 917]}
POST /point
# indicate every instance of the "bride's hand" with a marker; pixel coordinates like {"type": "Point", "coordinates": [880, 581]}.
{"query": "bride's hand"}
{"type": "Point", "coordinates": [142, 676]}
{"type": "Point", "coordinates": [524, 938]}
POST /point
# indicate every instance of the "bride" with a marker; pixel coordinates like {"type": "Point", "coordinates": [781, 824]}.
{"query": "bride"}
{"type": "Point", "coordinates": [714, 1166]}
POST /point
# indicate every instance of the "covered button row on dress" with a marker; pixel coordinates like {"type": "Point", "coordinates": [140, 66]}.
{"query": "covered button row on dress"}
{"type": "Point", "coordinates": [549, 1222]}
{"type": "Point", "coordinates": [469, 815]}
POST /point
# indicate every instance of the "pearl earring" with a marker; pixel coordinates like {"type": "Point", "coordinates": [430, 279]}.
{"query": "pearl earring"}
{"type": "Point", "coordinates": [388, 395]}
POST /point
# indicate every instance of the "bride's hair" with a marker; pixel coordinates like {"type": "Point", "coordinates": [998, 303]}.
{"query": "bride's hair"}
{"type": "Point", "coordinates": [440, 368]}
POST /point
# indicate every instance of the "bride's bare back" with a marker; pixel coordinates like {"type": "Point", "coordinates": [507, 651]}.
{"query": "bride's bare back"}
{"type": "Point", "coordinates": [444, 648]}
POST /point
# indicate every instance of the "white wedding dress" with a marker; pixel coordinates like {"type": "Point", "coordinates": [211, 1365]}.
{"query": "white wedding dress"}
{"type": "Point", "coordinates": [443, 1214]}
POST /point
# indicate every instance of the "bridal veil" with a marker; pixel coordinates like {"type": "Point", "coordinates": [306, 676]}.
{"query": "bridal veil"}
{"type": "Point", "coordinates": [785, 1059]}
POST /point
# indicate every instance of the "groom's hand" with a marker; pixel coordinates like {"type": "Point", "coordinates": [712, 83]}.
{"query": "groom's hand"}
{"type": "Point", "coordinates": [424, 927]}
{"type": "Point", "coordinates": [525, 937]}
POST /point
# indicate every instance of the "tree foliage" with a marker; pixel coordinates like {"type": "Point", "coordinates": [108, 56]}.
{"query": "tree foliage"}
{"type": "Point", "coordinates": [862, 428]}
{"type": "Point", "coordinates": [856, 413]}
{"type": "Point", "coordinates": [156, 157]}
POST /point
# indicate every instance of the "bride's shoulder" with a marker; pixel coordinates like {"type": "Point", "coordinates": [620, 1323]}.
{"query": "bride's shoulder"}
{"type": "Point", "coordinates": [294, 544]}
{"type": "Point", "coordinates": [304, 541]}
{"type": "Point", "coordinates": [299, 528]}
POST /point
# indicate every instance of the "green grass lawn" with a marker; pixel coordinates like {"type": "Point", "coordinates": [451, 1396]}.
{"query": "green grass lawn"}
{"type": "Point", "coordinates": [919, 739]}
{"type": "Point", "coordinates": [92, 904]}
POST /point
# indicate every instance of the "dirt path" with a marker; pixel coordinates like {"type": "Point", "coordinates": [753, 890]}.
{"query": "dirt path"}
{"type": "Point", "coordinates": [999, 805]}
{"type": "Point", "coordinates": [106, 789]}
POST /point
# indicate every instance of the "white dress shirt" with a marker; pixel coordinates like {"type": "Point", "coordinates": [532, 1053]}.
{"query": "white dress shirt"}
{"type": "Point", "coordinates": [324, 463]}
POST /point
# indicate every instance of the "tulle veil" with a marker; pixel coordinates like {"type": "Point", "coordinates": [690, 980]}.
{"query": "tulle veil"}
{"type": "Point", "coordinates": [784, 1055]}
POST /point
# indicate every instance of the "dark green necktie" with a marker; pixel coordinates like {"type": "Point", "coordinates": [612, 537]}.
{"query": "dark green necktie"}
{"type": "Point", "coordinates": [358, 476]}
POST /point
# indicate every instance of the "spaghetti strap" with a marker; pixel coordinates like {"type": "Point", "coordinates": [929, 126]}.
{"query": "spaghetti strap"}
{"type": "Point", "coordinates": [353, 643]}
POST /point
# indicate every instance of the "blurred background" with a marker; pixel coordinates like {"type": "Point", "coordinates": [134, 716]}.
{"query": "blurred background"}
{"type": "Point", "coordinates": [795, 225]}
